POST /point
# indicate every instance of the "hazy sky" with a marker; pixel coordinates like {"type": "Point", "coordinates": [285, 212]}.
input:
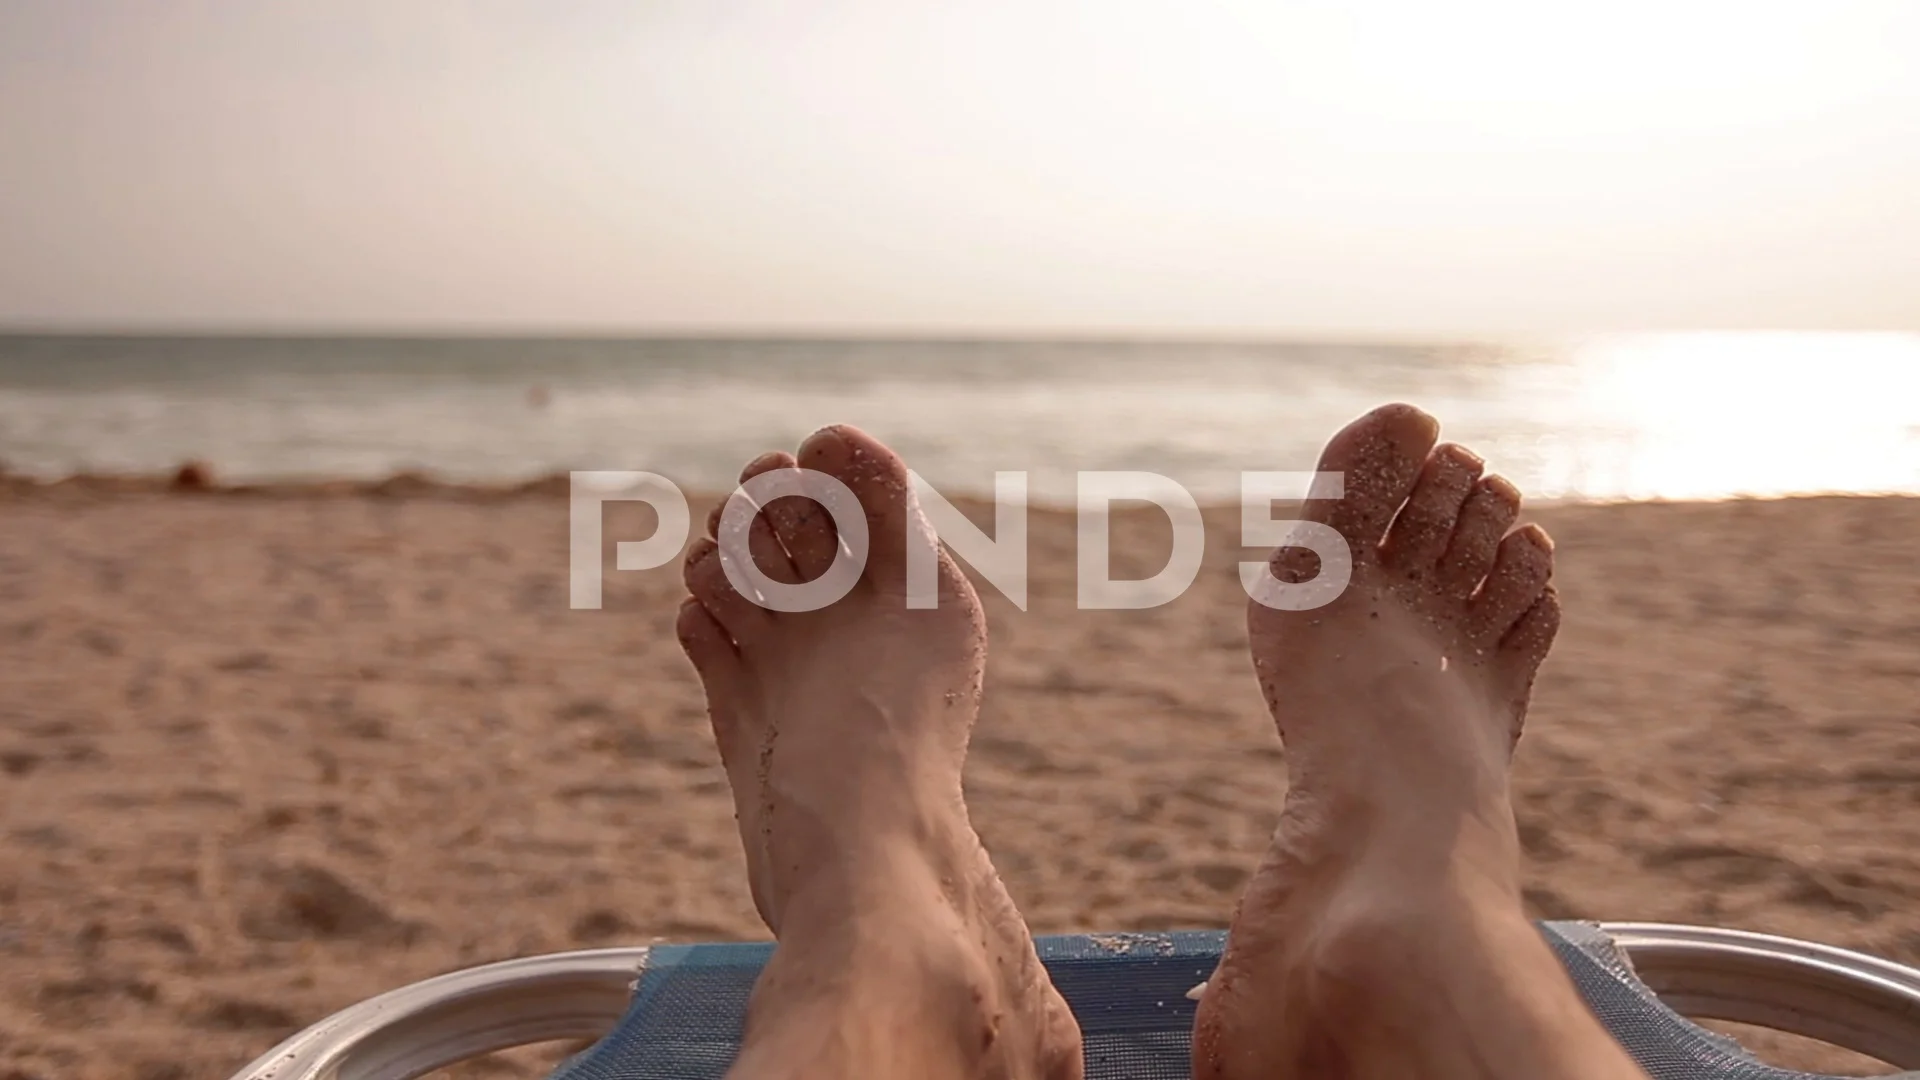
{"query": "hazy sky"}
{"type": "Point", "coordinates": [897, 166]}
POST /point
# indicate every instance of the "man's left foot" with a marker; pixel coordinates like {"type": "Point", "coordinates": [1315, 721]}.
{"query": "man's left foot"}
{"type": "Point", "coordinates": [1383, 936]}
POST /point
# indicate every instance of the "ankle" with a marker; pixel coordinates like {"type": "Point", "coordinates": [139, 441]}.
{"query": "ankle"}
{"type": "Point", "coordinates": [909, 867]}
{"type": "Point", "coordinates": [879, 979]}
{"type": "Point", "coordinates": [1385, 843]}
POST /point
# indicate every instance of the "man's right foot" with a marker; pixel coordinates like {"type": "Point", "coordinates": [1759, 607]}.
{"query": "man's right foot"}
{"type": "Point", "coordinates": [843, 732]}
{"type": "Point", "coordinates": [1383, 935]}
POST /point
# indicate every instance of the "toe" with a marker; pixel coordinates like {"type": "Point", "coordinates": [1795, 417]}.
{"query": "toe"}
{"type": "Point", "coordinates": [707, 580]}
{"type": "Point", "coordinates": [799, 525]}
{"type": "Point", "coordinates": [805, 529]}
{"type": "Point", "coordinates": [1490, 510]}
{"type": "Point", "coordinates": [706, 643]}
{"type": "Point", "coordinates": [1380, 457]}
{"type": "Point", "coordinates": [1520, 571]}
{"type": "Point", "coordinates": [878, 479]}
{"type": "Point", "coordinates": [767, 462]}
{"type": "Point", "coordinates": [718, 663]}
{"type": "Point", "coordinates": [762, 543]}
{"type": "Point", "coordinates": [1419, 535]}
{"type": "Point", "coordinates": [1526, 645]}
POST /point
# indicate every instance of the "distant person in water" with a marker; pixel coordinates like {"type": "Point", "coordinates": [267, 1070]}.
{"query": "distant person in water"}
{"type": "Point", "coordinates": [1383, 934]}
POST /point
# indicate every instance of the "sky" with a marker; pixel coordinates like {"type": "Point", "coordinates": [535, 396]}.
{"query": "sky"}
{"type": "Point", "coordinates": [896, 167]}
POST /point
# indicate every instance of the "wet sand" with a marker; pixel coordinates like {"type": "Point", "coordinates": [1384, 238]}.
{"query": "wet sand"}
{"type": "Point", "coordinates": [264, 755]}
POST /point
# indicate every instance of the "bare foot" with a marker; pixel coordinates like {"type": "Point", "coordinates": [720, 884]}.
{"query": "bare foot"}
{"type": "Point", "coordinates": [1383, 935]}
{"type": "Point", "coordinates": [843, 732]}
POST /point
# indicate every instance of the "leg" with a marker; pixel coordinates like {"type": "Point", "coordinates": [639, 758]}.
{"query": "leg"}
{"type": "Point", "coordinates": [843, 732]}
{"type": "Point", "coordinates": [1383, 936]}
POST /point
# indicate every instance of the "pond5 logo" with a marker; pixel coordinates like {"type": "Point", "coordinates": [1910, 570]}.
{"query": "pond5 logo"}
{"type": "Point", "coordinates": [1001, 559]}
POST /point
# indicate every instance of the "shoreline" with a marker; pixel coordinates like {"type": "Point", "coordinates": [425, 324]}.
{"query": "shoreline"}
{"type": "Point", "coordinates": [413, 484]}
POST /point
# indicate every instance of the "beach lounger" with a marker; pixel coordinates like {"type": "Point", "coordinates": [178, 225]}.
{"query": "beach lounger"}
{"type": "Point", "coordinates": [673, 1012]}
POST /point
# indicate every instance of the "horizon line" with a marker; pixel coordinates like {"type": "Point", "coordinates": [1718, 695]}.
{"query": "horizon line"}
{"type": "Point", "coordinates": [878, 335]}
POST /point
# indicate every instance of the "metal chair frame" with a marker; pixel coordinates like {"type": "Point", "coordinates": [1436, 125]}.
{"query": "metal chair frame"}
{"type": "Point", "coordinates": [1846, 998]}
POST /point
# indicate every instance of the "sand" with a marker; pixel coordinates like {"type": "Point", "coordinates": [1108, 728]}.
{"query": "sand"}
{"type": "Point", "coordinates": [264, 755]}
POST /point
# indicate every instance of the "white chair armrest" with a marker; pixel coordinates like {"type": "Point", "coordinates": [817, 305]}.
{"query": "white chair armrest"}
{"type": "Point", "coordinates": [416, 1029]}
{"type": "Point", "coordinates": [1852, 1000]}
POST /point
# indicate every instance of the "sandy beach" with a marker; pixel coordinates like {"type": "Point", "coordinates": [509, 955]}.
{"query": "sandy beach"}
{"type": "Point", "coordinates": [263, 755]}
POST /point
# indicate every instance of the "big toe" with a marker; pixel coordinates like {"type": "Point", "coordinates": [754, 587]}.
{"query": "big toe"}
{"type": "Point", "coordinates": [879, 480]}
{"type": "Point", "coordinates": [1378, 459]}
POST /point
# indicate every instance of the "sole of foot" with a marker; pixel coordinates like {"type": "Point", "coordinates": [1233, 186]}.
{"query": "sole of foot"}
{"type": "Point", "coordinates": [1391, 891]}
{"type": "Point", "coordinates": [843, 732]}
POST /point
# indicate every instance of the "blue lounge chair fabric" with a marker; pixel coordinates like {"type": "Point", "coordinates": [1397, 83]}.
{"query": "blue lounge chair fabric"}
{"type": "Point", "coordinates": [1130, 995]}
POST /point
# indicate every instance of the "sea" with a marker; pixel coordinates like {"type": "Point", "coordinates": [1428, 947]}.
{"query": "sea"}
{"type": "Point", "coordinates": [1624, 417]}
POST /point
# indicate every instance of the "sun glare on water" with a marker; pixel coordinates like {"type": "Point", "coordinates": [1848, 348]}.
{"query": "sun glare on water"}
{"type": "Point", "coordinates": [1687, 416]}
